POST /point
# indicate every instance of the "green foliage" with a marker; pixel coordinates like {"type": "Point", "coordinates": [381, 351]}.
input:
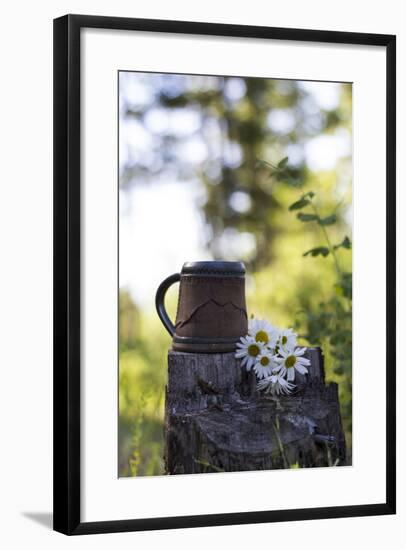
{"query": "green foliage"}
{"type": "Point", "coordinates": [330, 324]}
{"type": "Point", "coordinates": [317, 251]}
{"type": "Point", "coordinates": [305, 200]}
{"type": "Point", "coordinates": [301, 203]}
{"type": "Point", "coordinates": [136, 438]}
{"type": "Point", "coordinates": [329, 220]}
{"type": "Point", "coordinates": [282, 163]}
{"type": "Point", "coordinates": [346, 243]}
{"type": "Point", "coordinates": [307, 217]}
{"type": "Point", "coordinates": [142, 379]}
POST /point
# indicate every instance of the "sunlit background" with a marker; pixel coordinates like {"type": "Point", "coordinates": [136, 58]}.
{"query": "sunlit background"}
{"type": "Point", "coordinates": [203, 176]}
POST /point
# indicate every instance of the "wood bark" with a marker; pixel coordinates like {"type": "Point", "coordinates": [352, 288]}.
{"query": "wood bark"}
{"type": "Point", "coordinates": [217, 421]}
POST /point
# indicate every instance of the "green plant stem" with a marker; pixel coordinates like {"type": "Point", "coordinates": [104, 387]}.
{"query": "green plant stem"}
{"type": "Point", "coordinates": [329, 245]}
{"type": "Point", "coordinates": [269, 164]}
{"type": "Point", "coordinates": [280, 444]}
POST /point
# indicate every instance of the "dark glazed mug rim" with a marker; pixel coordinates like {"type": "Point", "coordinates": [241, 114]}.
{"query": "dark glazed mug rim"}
{"type": "Point", "coordinates": [221, 268]}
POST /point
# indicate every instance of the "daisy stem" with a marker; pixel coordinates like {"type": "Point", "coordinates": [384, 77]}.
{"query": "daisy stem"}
{"type": "Point", "coordinates": [280, 444]}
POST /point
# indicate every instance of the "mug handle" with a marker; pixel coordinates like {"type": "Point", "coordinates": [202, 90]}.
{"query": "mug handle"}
{"type": "Point", "coordinates": [160, 302]}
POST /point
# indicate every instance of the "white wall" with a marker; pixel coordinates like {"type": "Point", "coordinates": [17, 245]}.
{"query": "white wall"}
{"type": "Point", "coordinates": [26, 261]}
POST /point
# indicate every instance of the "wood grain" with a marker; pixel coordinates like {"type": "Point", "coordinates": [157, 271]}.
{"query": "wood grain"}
{"type": "Point", "coordinates": [217, 421]}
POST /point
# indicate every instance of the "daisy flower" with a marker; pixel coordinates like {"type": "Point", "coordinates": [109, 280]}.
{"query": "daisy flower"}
{"type": "Point", "coordinates": [275, 384]}
{"type": "Point", "coordinates": [265, 364]}
{"type": "Point", "coordinates": [248, 350]}
{"type": "Point", "coordinates": [291, 361]}
{"type": "Point", "coordinates": [287, 339]}
{"type": "Point", "coordinates": [264, 332]}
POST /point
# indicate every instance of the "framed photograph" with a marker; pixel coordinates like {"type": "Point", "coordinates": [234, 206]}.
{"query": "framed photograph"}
{"type": "Point", "coordinates": [224, 274]}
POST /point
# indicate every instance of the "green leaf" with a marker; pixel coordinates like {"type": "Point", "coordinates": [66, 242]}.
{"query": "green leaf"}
{"type": "Point", "coordinates": [282, 164]}
{"type": "Point", "coordinates": [330, 220]}
{"type": "Point", "coordinates": [299, 204]}
{"type": "Point", "coordinates": [310, 194]}
{"type": "Point", "coordinates": [340, 337]}
{"type": "Point", "coordinates": [339, 290]}
{"type": "Point", "coordinates": [344, 287]}
{"type": "Point", "coordinates": [346, 243]}
{"type": "Point", "coordinates": [307, 217]}
{"type": "Point", "coordinates": [293, 182]}
{"type": "Point", "coordinates": [318, 251]}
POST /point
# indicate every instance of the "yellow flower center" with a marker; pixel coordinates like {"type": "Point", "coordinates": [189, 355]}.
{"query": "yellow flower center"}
{"type": "Point", "coordinates": [290, 361]}
{"type": "Point", "coordinates": [264, 361]}
{"type": "Point", "coordinates": [262, 336]}
{"type": "Point", "coordinates": [253, 350]}
{"type": "Point", "coordinates": [284, 340]}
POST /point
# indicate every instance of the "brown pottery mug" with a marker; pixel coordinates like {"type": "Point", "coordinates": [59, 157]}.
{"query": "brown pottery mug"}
{"type": "Point", "coordinates": [211, 315]}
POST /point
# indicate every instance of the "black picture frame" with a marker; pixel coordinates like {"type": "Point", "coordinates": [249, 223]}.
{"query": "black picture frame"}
{"type": "Point", "coordinates": [67, 267]}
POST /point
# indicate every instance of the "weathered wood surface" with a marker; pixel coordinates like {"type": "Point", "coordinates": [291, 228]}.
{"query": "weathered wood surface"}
{"type": "Point", "coordinates": [216, 420]}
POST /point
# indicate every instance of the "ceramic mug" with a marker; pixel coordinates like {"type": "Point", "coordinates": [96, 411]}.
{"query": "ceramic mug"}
{"type": "Point", "coordinates": [211, 314]}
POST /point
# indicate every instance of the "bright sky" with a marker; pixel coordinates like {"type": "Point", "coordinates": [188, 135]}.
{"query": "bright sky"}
{"type": "Point", "coordinates": [159, 231]}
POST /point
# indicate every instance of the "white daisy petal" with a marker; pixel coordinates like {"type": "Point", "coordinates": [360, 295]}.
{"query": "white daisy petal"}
{"type": "Point", "coordinates": [273, 355]}
{"type": "Point", "coordinates": [283, 382]}
{"type": "Point", "coordinates": [283, 371]}
{"type": "Point", "coordinates": [265, 384]}
{"type": "Point", "coordinates": [276, 385]}
{"type": "Point", "coordinates": [292, 360]}
{"type": "Point", "coordinates": [264, 332]}
{"type": "Point", "coordinates": [247, 350]}
{"type": "Point", "coordinates": [287, 339]}
{"type": "Point", "coordinates": [264, 364]}
{"type": "Point", "coordinates": [291, 374]}
{"type": "Point", "coordinates": [301, 369]}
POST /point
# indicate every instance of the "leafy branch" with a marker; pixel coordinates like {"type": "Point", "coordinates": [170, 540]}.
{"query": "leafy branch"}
{"type": "Point", "coordinates": [280, 172]}
{"type": "Point", "coordinates": [306, 201]}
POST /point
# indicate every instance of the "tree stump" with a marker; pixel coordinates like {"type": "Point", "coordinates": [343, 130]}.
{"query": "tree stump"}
{"type": "Point", "coordinates": [217, 421]}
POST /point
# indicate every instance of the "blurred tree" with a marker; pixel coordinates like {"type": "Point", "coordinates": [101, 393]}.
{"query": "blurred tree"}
{"type": "Point", "coordinates": [128, 320]}
{"type": "Point", "coordinates": [215, 129]}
